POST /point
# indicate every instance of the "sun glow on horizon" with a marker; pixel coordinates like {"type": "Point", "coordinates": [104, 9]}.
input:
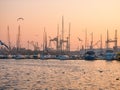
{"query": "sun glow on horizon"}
{"type": "Point", "coordinates": [94, 15]}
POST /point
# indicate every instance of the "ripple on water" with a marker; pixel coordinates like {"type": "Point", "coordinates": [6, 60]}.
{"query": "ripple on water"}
{"type": "Point", "coordinates": [59, 75]}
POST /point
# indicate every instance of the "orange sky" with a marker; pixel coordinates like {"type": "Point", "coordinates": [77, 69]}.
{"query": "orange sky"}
{"type": "Point", "coordinates": [94, 15]}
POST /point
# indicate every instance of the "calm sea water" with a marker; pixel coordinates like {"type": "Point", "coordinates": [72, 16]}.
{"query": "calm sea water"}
{"type": "Point", "coordinates": [59, 75]}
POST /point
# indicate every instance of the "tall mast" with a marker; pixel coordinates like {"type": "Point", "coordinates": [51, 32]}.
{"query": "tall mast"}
{"type": "Point", "coordinates": [101, 43]}
{"type": "Point", "coordinates": [44, 40]}
{"type": "Point", "coordinates": [19, 34]}
{"type": "Point", "coordinates": [18, 38]}
{"type": "Point", "coordinates": [91, 47]}
{"type": "Point", "coordinates": [9, 43]}
{"type": "Point", "coordinates": [62, 33]}
{"type": "Point", "coordinates": [115, 40]}
{"type": "Point", "coordinates": [69, 37]}
{"type": "Point", "coordinates": [85, 40]}
{"type": "Point", "coordinates": [57, 46]}
{"type": "Point", "coordinates": [107, 42]}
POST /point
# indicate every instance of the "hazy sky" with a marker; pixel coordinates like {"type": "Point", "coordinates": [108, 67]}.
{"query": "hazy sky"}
{"type": "Point", "coordinates": [94, 15]}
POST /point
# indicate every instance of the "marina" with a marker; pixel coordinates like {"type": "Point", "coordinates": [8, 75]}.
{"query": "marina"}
{"type": "Point", "coordinates": [61, 49]}
{"type": "Point", "coordinates": [59, 45]}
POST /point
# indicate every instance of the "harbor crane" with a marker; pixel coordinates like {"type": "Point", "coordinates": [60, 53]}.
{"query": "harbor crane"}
{"type": "Point", "coordinates": [65, 42]}
{"type": "Point", "coordinates": [53, 40]}
{"type": "Point", "coordinates": [108, 41]}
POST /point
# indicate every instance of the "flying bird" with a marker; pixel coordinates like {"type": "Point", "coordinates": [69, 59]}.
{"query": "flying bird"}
{"type": "Point", "coordinates": [1, 43]}
{"type": "Point", "coordinates": [20, 19]}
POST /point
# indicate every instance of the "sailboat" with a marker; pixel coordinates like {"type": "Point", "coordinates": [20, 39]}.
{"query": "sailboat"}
{"type": "Point", "coordinates": [89, 54]}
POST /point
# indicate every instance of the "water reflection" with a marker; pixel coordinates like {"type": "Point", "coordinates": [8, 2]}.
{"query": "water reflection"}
{"type": "Point", "coordinates": [59, 75]}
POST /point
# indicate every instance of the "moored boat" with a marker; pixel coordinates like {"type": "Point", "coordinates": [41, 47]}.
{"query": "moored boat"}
{"type": "Point", "coordinates": [109, 55]}
{"type": "Point", "coordinates": [63, 57]}
{"type": "Point", "coordinates": [118, 56]}
{"type": "Point", "coordinates": [89, 55]}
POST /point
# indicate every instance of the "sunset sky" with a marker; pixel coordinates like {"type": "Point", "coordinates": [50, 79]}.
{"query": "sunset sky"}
{"type": "Point", "coordinates": [92, 15]}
